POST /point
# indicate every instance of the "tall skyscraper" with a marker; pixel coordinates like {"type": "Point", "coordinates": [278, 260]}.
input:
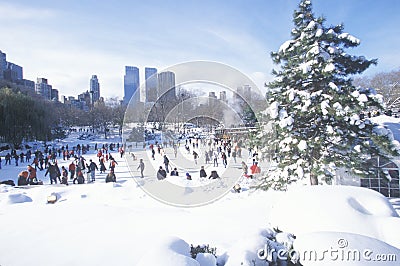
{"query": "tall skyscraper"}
{"type": "Point", "coordinates": [3, 63]}
{"type": "Point", "coordinates": [151, 84]}
{"type": "Point", "coordinates": [166, 99]}
{"type": "Point", "coordinates": [95, 88]}
{"type": "Point", "coordinates": [166, 86]}
{"type": "Point", "coordinates": [131, 84]}
{"type": "Point", "coordinates": [222, 96]}
{"type": "Point", "coordinates": [212, 97]}
{"type": "Point", "coordinates": [43, 88]}
{"type": "Point", "coordinates": [243, 93]}
{"type": "Point", "coordinates": [247, 92]}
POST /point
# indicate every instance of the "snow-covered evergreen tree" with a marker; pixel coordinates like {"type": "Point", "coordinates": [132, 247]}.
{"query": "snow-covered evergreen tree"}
{"type": "Point", "coordinates": [315, 111]}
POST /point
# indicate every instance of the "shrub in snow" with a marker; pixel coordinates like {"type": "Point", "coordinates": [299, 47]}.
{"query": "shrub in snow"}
{"type": "Point", "coordinates": [314, 110]}
{"type": "Point", "coordinates": [194, 250]}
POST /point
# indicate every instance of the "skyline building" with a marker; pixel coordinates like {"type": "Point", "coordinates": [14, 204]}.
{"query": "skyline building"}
{"type": "Point", "coordinates": [54, 95]}
{"type": "Point", "coordinates": [29, 85]}
{"type": "Point", "coordinates": [166, 99]}
{"type": "Point", "coordinates": [212, 94]}
{"type": "Point", "coordinates": [13, 72]}
{"type": "Point", "coordinates": [3, 64]}
{"type": "Point", "coordinates": [95, 88]}
{"type": "Point", "coordinates": [151, 84]}
{"type": "Point", "coordinates": [131, 84]}
{"type": "Point", "coordinates": [43, 88]}
{"type": "Point", "coordinates": [243, 93]}
{"type": "Point", "coordinates": [222, 96]}
{"type": "Point", "coordinates": [9, 71]}
{"type": "Point", "coordinates": [247, 92]}
{"type": "Point", "coordinates": [85, 99]}
{"type": "Point", "coordinates": [212, 97]}
{"type": "Point", "coordinates": [166, 86]}
{"type": "Point", "coordinates": [46, 90]}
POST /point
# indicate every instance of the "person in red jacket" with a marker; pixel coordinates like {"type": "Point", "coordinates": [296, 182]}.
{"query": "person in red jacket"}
{"type": "Point", "coordinates": [255, 169]}
{"type": "Point", "coordinates": [71, 169]}
{"type": "Point", "coordinates": [23, 178]}
{"type": "Point", "coordinates": [32, 179]}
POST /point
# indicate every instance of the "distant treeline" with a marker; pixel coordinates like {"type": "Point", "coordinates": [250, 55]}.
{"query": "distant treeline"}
{"type": "Point", "coordinates": [25, 117]}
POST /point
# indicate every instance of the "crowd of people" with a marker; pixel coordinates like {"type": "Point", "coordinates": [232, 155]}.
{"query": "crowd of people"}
{"type": "Point", "coordinates": [76, 169]}
{"type": "Point", "coordinates": [217, 151]}
{"type": "Point", "coordinates": [75, 165]}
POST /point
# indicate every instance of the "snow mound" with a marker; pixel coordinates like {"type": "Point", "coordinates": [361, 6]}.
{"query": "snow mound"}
{"type": "Point", "coordinates": [244, 251]}
{"type": "Point", "coordinates": [18, 198]}
{"type": "Point", "coordinates": [338, 248]}
{"type": "Point", "coordinates": [170, 251]}
{"type": "Point", "coordinates": [206, 259]}
{"type": "Point", "coordinates": [337, 208]}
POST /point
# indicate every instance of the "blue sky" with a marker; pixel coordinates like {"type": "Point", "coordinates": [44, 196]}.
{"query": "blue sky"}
{"type": "Point", "coordinates": [69, 41]}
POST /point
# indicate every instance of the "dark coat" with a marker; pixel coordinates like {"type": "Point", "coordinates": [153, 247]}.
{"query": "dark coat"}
{"type": "Point", "coordinates": [93, 166]}
{"type": "Point", "coordinates": [161, 174]}
{"type": "Point", "coordinates": [111, 177]}
{"type": "Point", "coordinates": [203, 173]}
{"type": "Point", "coordinates": [214, 175]}
{"type": "Point", "coordinates": [52, 171]}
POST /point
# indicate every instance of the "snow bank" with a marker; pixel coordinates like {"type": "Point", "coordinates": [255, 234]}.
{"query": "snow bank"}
{"type": "Point", "coordinates": [390, 122]}
{"type": "Point", "coordinates": [337, 208]}
{"type": "Point", "coordinates": [169, 251]}
{"type": "Point", "coordinates": [206, 259]}
{"type": "Point", "coordinates": [338, 248]}
{"type": "Point", "coordinates": [244, 251]}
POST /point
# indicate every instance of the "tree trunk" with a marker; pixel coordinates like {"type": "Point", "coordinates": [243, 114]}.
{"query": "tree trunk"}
{"type": "Point", "coordinates": [313, 180]}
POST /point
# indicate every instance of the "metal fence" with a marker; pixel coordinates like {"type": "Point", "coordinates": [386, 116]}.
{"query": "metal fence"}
{"type": "Point", "coordinates": [388, 183]}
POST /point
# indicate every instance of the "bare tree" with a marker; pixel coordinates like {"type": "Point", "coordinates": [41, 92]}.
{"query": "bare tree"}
{"type": "Point", "coordinates": [387, 84]}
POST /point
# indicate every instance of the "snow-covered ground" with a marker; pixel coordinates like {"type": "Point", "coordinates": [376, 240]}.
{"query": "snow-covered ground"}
{"type": "Point", "coordinates": [120, 224]}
